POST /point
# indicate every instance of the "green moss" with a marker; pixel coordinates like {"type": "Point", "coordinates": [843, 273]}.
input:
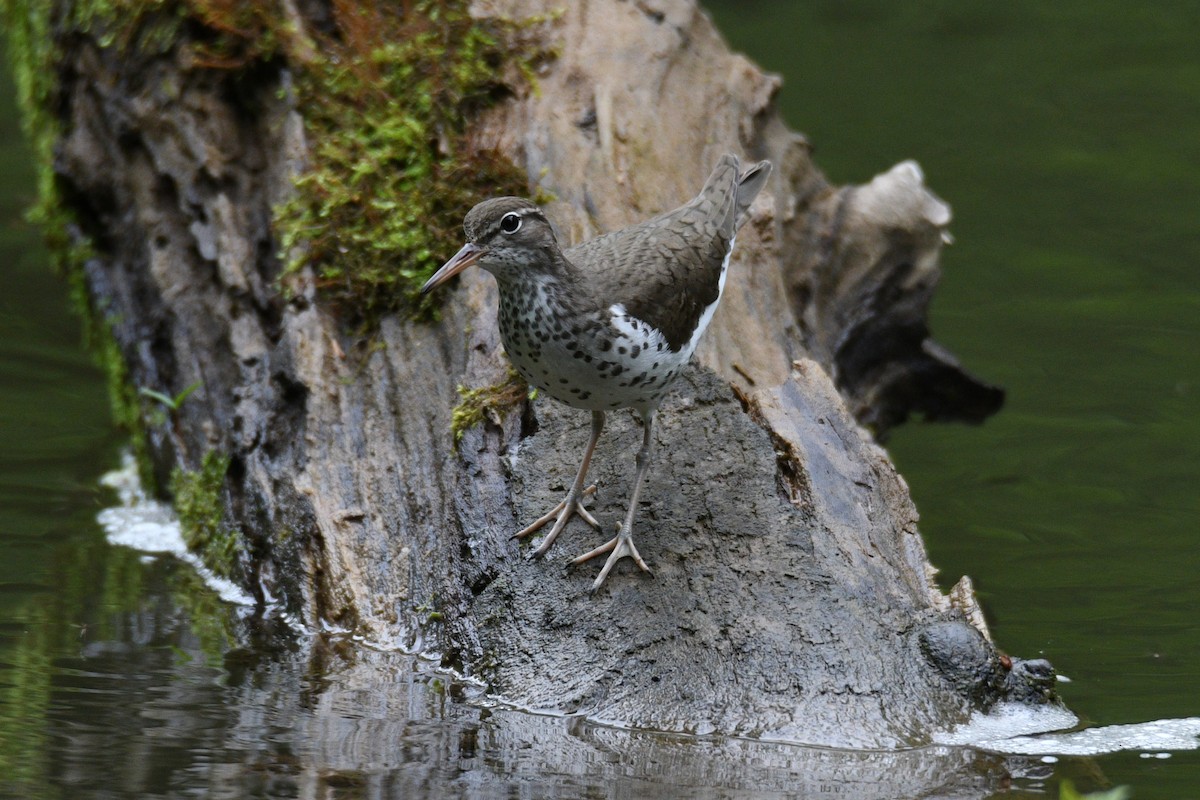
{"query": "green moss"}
{"type": "Point", "coordinates": [145, 26]}
{"type": "Point", "coordinates": [429, 613]}
{"type": "Point", "coordinates": [393, 168]}
{"type": "Point", "coordinates": [490, 402]}
{"type": "Point", "coordinates": [201, 514]}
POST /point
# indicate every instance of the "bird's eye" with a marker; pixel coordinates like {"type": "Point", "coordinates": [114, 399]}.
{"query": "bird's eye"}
{"type": "Point", "coordinates": [510, 223]}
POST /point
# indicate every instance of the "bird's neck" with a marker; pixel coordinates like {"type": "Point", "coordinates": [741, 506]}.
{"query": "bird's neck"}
{"type": "Point", "coordinates": [549, 274]}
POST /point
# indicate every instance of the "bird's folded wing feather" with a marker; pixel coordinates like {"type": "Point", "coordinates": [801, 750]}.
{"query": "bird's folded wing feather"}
{"type": "Point", "coordinates": [666, 271]}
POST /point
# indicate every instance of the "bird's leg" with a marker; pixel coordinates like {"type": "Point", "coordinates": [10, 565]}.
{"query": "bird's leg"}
{"type": "Point", "coordinates": [622, 545]}
{"type": "Point", "coordinates": [573, 504]}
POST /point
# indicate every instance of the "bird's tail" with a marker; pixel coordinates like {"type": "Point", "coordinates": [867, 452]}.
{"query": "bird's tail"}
{"type": "Point", "coordinates": [732, 191]}
{"type": "Point", "coordinates": [749, 184]}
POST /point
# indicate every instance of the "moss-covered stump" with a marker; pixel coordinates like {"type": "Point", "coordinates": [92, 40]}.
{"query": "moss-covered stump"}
{"type": "Point", "coordinates": [246, 194]}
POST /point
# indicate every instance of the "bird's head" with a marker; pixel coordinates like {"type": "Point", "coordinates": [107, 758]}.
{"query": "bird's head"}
{"type": "Point", "coordinates": [506, 236]}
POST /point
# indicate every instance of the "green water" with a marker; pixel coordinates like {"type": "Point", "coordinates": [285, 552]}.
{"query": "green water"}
{"type": "Point", "coordinates": [1067, 138]}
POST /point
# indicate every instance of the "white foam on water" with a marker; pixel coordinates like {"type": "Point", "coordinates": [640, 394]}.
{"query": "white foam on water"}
{"type": "Point", "coordinates": [144, 524]}
{"type": "Point", "coordinates": [1154, 739]}
{"type": "Point", "coordinates": [1005, 721]}
{"type": "Point", "coordinates": [1021, 730]}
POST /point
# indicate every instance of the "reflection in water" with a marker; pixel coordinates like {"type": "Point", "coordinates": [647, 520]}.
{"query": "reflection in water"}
{"type": "Point", "coordinates": [404, 738]}
{"type": "Point", "coordinates": [148, 714]}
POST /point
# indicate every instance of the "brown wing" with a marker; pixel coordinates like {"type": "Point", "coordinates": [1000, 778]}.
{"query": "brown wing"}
{"type": "Point", "coordinates": [666, 271]}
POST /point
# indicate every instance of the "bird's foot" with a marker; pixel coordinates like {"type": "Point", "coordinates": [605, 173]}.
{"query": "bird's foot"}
{"type": "Point", "coordinates": [621, 546]}
{"type": "Point", "coordinates": [561, 514]}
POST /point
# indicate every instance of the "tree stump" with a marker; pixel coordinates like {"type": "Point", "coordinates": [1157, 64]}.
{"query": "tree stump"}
{"type": "Point", "coordinates": [792, 597]}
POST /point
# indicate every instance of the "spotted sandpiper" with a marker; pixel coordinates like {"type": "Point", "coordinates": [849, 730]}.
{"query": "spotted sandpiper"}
{"type": "Point", "coordinates": [609, 323]}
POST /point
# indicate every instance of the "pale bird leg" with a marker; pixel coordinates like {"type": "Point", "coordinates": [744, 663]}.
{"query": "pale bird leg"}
{"type": "Point", "coordinates": [622, 545]}
{"type": "Point", "coordinates": [553, 514]}
{"type": "Point", "coordinates": [573, 503]}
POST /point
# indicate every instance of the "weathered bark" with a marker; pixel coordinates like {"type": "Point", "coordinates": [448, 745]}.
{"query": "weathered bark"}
{"type": "Point", "coordinates": [792, 596]}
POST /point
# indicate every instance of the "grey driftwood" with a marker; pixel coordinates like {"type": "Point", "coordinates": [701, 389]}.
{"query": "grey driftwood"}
{"type": "Point", "coordinates": [792, 596]}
